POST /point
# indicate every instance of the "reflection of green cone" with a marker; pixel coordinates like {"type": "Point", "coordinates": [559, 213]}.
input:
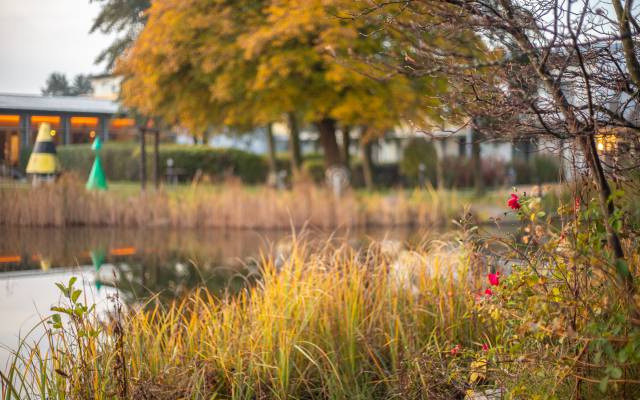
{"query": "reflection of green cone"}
{"type": "Point", "coordinates": [97, 258]}
{"type": "Point", "coordinates": [97, 180]}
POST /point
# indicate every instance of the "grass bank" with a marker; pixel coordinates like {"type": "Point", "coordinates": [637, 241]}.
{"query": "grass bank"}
{"type": "Point", "coordinates": [231, 205]}
{"type": "Point", "coordinates": [330, 322]}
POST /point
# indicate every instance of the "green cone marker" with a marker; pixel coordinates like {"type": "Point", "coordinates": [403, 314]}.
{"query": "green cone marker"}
{"type": "Point", "coordinates": [97, 180]}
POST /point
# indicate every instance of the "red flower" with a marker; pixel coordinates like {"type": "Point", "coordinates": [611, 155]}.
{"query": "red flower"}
{"type": "Point", "coordinates": [485, 347]}
{"type": "Point", "coordinates": [455, 350]}
{"type": "Point", "coordinates": [576, 204]}
{"type": "Point", "coordinates": [494, 279]}
{"type": "Point", "coordinates": [513, 202]}
{"type": "Point", "coordinates": [488, 292]}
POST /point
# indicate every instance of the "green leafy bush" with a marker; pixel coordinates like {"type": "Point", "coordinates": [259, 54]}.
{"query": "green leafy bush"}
{"type": "Point", "coordinates": [315, 169]}
{"type": "Point", "coordinates": [418, 151]}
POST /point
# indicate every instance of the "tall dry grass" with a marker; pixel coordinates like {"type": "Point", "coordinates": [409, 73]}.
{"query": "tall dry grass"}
{"type": "Point", "coordinates": [67, 203]}
{"type": "Point", "coordinates": [333, 323]}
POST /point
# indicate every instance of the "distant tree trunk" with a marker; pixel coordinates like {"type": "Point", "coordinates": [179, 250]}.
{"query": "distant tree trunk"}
{"type": "Point", "coordinates": [440, 145]}
{"type": "Point", "coordinates": [271, 151]}
{"type": "Point", "coordinates": [156, 159]}
{"type": "Point", "coordinates": [365, 154]}
{"type": "Point", "coordinates": [205, 137]}
{"type": "Point", "coordinates": [327, 129]}
{"type": "Point", "coordinates": [476, 160]}
{"type": "Point", "coordinates": [294, 143]}
{"type": "Point", "coordinates": [346, 143]}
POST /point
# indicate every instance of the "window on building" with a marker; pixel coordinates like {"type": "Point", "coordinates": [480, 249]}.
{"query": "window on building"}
{"type": "Point", "coordinates": [462, 146]}
{"type": "Point", "coordinates": [52, 120]}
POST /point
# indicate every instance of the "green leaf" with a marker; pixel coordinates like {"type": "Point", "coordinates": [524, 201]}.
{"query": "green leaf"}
{"type": "Point", "coordinates": [62, 288]}
{"type": "Point", "coordinates": [56, 318]}
{"type": "Point", "coordinates": [72, 280]}
{"type": "Point", "coordinates": [75, 295]}
{"type": "Point", "coordinates": [615, 372]}
{"type": "Point", "coordinates": [623, 356]}
{"type": "Point", "coordinates": [623, 269]}
{"type": "Point", "coordinates": [62, 310]}
{"type": "Point", "coordinates": [603, 384]}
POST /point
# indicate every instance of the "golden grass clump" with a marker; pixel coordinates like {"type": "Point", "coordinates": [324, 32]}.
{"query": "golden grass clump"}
{"type": "Point", "coordinates": [333, 323]}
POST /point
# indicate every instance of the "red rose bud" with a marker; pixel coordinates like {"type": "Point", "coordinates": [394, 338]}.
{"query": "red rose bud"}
{"type": "Point", "coordinates": [494, 279]}
{"type": "Point", "coordinates": [513, 202]}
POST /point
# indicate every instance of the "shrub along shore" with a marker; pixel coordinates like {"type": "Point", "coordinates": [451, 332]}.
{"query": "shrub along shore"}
{"type": "Point", "coordinates": [121, 163]}
{"type": "Point", "coordinates": [231, 205]}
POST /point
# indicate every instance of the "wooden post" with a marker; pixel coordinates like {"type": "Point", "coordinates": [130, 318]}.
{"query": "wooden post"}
{"type": "Point", "coordinates": [143, 159]}
{"type": "Point", "coordinates": [156, 158]}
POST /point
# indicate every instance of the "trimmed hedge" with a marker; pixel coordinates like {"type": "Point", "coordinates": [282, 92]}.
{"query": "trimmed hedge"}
{"type": "Point", "coordinates": [121, 161]}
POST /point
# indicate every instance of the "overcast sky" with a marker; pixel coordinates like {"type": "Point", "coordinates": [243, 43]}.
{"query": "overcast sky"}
{"type": "Point", "coordinates": [38, 37]}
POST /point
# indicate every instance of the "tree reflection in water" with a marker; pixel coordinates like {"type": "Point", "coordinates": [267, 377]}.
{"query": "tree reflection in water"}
{"type": "Point", "coordinates": [161, 262]}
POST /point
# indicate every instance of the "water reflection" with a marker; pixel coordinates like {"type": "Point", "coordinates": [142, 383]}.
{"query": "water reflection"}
{"type": "Point", "coordinates": [166, 263]}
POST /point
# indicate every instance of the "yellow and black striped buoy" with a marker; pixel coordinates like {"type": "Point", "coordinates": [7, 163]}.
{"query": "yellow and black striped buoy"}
{"type": "Point", "coordinates": [43, 163]}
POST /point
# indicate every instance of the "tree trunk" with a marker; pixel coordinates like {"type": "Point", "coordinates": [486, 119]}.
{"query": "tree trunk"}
{"type": "Point", "coordinates": [367, 164]}
{"type": "Point", "coordinates": [156, 159]}
{"type": "Point", "coordinates": [346, 143]}
{"type": "Point", "coordinates": [294, 143]}
{"type": "Point", "coordinates": [476, 160]}
{"type": "Point", "coordinates": [628, 47]}
{"type": "Point", "coordinates": [588, 145]}
{"type": "Point", "coordinates": [271, 151]}
{"type": "Point", "coordinates": [327, 129]}
{"type": "Point", "coordinates": [143, 160]}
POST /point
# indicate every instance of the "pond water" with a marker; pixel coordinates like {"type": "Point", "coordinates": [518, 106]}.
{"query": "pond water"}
{"type": "Point", "coordinates": [134, 263]}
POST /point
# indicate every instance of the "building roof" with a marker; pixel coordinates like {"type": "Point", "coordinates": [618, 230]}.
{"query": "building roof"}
{"type": "Point", "coordinates": [61, 104]}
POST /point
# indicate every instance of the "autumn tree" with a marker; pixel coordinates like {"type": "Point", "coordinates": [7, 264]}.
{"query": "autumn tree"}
{"type": "Point", "coordinates": [297, 48]}
{"type": "Point", "coordinates": [125, 18]}
{"type": "Point", "coordinates": [221, 63]}
{"type": "Point", "coordinates": [565, 72]}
